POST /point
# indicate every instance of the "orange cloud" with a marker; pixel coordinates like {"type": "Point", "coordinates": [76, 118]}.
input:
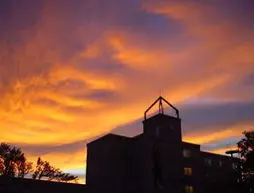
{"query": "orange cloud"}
{"type": "Point", "coordinates": [209, 137]}
{"type": "Point", "coordinates": [74, 160]}
{"type": "Point", "coordinates": [223, 149]}
{"type": "Point", "coordinates": [142, 58]}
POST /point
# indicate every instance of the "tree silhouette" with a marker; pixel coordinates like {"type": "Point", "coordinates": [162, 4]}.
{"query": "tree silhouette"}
{"type": "Point", "coordinates": [13, 162]}
{"type": "Point", "coordinates": [45, 171]}
{"type": "Point", "coordinates": [2, 166]}
{"type": "Point", "coordinates": [23, 167]}
{"type": "Point", "coordinates": [246, 147]}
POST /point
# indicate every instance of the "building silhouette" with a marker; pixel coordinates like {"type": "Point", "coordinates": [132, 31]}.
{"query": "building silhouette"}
{"type": "Point", "coordinates": [22, 185]}
{"type": "Point", "coordinates": [157, 161]}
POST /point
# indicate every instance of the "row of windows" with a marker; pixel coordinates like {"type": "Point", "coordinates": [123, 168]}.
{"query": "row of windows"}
{"type": "Point", "coordinates": [219, 163]}
{"type": "Point", "coordinates": [189, 189]}
{"type": "Point", "coordinates": [208, 162]}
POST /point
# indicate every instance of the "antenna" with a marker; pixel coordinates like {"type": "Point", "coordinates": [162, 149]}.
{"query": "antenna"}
{"type": "Point", "coordinates": [161, 110]}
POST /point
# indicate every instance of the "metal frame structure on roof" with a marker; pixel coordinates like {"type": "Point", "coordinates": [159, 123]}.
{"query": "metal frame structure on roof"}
{"type": "Point", "coordinates": [161, 109]}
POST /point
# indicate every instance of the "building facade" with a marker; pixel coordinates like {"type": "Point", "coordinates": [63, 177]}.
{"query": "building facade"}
{"type": "Point", "coordinates": [157, 161]}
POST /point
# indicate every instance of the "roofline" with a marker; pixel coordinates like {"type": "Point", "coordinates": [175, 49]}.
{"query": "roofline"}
{"type": "Point", "coordinates": [160, 115]}
{"type": "Point", "coordinates": [215, 154]}
{"type": "Point", "coordinates": [194, 144]}
{"type": "Point", "coordinates": [40, 181]}
{"type": "Point", "coordinates": [106, 135]}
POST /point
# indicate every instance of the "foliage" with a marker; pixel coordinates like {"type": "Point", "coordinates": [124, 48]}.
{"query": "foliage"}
{"type": "Point", "coordinates": [45, 171]}
{"type": "Point", "coordinates": [2, 166]}
{"type": "Point", "coordinates": [13, 162]}
{"type": "Point", "coordinates": [246, 147]}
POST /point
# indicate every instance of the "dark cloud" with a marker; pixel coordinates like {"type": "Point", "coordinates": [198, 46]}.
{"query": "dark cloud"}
{"type": "Point", "coordinates": [104, 64]}
{"type": "Point", "coordinates": [131, 129]}
{"type": "Point", "coordinates": [203, 118]}
{"type": "Point", "coordinates": [240, 11]}
{"type": "Point", "coordinates": [249, 80]}
{"type": "Point", "coordinates": [39, 150]}
{"type": "Point", "coordinates": [16, 15]}
{"type": "Point", "coordinates": [217, 144]}
{"type": "Point", "coordinates": [216, 116]}
{"type": "Point", "coordinates": [239, 89]}
{"type": "Point", "coordinates": [103, 95]}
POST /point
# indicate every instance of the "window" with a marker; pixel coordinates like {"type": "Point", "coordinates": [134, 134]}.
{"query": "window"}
{"type": "Point", "coordinates": [220, 164]}
{"type": "Point", "coordinates": [188, 171]}
{"type": "Point", "coordinates": [208, 162]}
{"type": "Point", "coordinates": [186, 153]}
{"type": "Point", "coordinates": [234, 165]}
{"type": "Point", "coordinates": [189, 189]}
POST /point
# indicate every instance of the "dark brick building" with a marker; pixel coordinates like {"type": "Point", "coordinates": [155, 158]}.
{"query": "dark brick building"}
{"type": "Point", "coordinates": [157, 161]}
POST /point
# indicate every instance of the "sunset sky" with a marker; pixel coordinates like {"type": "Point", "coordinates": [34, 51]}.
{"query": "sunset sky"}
{"type": "Point", "coordinates": [72, 70]}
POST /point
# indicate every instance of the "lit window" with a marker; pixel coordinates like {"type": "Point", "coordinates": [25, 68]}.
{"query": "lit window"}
{"type": "Point", "coordinates": [186, 153]}
{"type": "Point", "coordinates": [189, 189]}
{"type": "Point", "coordinates": [208, 162]}
{"type": "Point", "coordinates": [234, 165]}
{"type": "Point", "coordinates": [188, 171]}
